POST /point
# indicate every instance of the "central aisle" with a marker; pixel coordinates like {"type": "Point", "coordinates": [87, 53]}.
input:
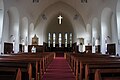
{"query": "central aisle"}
{"type": "Point", "coordinates": [59, 70]}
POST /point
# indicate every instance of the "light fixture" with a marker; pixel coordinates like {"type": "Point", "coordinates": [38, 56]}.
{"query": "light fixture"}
{"type": "Point", "coordinates": [35, 1]}
{"type": "Point", "coordinates": [12, 37]}
{"type": "Point", "coordinates": [84, 1]}
{"type": "Point", "coordinates": [76, 16]}
{"type": "Point", "coordinates": [44, 17]}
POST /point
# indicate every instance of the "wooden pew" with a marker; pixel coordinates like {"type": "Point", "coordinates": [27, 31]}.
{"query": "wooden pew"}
{"type": "Point", "coordinates": [108, 65]}
{"type": "Point", "coordinates": [94, 63]}
{"type": "Point", "coordinates": [47, 57]}
{"type": "Point", "coordinates": [9, 65]}
{"type": "Point", "coordinates": [24, 59]}
{"type": "Point", "coordinates": [36, 59]}
{"type": "Point", "coordinates": [10, 74]}
{"type": "Point", "coordinates": [99, 72]}
{"type": "Point", "coordinates": [71, 57]}
{"type": "Point", "coordinates": [78, 61]}
{"type": "Point", "coordinates": [18, 75]}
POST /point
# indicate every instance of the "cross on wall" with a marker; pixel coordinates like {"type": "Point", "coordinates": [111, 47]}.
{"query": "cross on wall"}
{"type": "Point", "coordinates": [60, 19]}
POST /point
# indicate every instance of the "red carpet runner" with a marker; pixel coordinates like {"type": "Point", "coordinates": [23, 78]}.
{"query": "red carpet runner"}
{"type": "Point", "coordinates": [59, 70]}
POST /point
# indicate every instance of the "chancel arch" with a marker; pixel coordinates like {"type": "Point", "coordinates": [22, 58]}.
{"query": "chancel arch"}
{"type": "Point", "coordinates": [54, 27]}
{"type": "Point", "coordinates": [53, 11]}
{"type": "Point", "coordinates": [1, 21]}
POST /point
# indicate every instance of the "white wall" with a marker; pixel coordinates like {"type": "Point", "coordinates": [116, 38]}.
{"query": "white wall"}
{"type": "Point", "coordinates": [14, 27]}
{"type": "Point", "coordinates": [1, 22]}
{"type": "Point", "coordinates": [95, 34]}
{"type": "Point", "coordinates": [106, 33]}
{"type": "Point", "coordinates": [24, 33]}
{"type": "Point", "coordinates": [118, 25]}
{"type": "Point", "coordinates": [31, 33]}
{"type": "Point", "coordinates": [88, 38]}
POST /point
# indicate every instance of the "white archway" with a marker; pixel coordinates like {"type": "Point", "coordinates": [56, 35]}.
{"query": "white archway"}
{"type": "Point", "coordinates": [95, 34]}
{"type": "Point", "coordinates": [66, 10]}
{"type": "Point", "coordinates": [88, 39]}
{"type": "Point", "coordinates": [106, 33]}
{"type": "Point", "coordinates": [118, 18]}
{"type": "Point", "coordinates": [1, 22]}
{"type": "Point", "coordinates": [118, 25]}
{"type": "Point", "coordinates": [24, 33]}
{"type": "Point", "coordinates": [13, 15]}
{"type": "Point", "coordinates": [31, 33]}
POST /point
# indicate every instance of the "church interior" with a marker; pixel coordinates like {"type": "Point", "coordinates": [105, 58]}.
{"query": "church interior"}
{"type": "Point", "coordinates": [59, 39]}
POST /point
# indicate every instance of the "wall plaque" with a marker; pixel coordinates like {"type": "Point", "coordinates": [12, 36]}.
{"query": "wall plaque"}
{"type": "Point", "coordinates": [35, 40]}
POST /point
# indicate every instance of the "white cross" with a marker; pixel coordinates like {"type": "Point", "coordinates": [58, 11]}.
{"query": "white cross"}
{"type": "Point", "coordinates": [60, 19]}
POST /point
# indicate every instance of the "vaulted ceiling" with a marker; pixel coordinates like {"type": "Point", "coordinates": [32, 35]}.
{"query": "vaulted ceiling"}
{"type": "Point", "coordinates": [87, 10]}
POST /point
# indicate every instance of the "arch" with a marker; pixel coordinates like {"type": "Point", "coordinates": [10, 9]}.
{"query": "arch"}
{"type": "Point", "coordinates": [118, 18]}
{"type": "Point", "coordinates": [54, 27]}
{"type": "Point", "coordinates": [24, 33]}
{"type": "Point", "coordinates": [95, 33]}
{"type": "Point", "coordinates": [106, 33]}
{"type": "Point", "coordinates": [31, 33]}
{"type": "Point", "coordinates": [118, 24]}
{"type": "Point", "coordinates": [88, 34]}
{"type": "Point", "coordinates": [55, 9]}
{"type": "Point", "coordinates": [24, 28]}
{"type": "Point", "coordinates": [95, 28]}
{"type": "Point", "coordinates": [13, 15]}
{"type": "Point", "coordinates": [1, 22]}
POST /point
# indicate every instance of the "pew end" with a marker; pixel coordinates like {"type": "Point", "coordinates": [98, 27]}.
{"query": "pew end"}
{"type": "Point", "coordinates": [107, 74]}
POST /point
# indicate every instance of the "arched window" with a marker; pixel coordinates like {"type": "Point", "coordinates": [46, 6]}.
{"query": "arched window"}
{"type": "Point", "coordinates": [60, 39]}
{"type": "Point", "coordinates": [49, 39]}
{"type": "Point", "coordinates": [66, 39]}
{"type": "Point", "coordinates": [70, 39]}
{"type": "Point", "coordinates": [54, 38]}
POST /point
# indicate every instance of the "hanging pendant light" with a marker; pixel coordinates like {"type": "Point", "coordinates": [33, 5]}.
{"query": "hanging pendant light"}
{"type": "Point", "coordinates": [84, 1]}
{"type": "Point", "coordinates": [35, 1]}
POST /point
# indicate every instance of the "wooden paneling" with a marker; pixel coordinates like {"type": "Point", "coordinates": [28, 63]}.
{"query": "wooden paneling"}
{"type": "Point", "coordinates": [39, 48]}
{"type": "Point", "coordinates": [97, 49]}
{"type": "Point", "coordinates": [20, 47]}
{"type": "Point", "coordinates": [60, 49]}
{"type": "Point", "coordinates": [88, 48]}
{"type": "Point", "coordinates": [111, 49]}
{"type": "Point", "coordinates": [8, 48]}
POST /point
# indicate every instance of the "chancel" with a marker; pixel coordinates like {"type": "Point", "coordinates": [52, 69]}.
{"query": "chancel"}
{"type": "Point", "coordinates": [59, 39]}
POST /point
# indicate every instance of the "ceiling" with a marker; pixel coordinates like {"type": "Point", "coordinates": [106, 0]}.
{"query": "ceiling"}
{"type": "Point", "coordinates": [92, 8]}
